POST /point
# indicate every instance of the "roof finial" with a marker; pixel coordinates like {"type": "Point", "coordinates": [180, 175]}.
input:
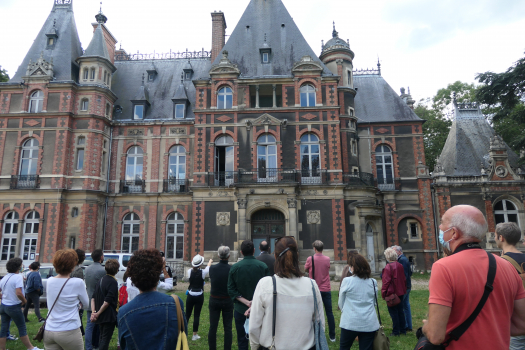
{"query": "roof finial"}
{"type": "Point", "coordinates": [378, 65]}
{"type": "Point", "coordinates": [142, 79]}
{"type": "Point", "coordinates": [264, 37]}
{"type": "Point", "coordinates": [335, 34]}
{"type": "Point", "coordinates": [100, 16]}
{"type": "Point", "coordinates": [54, 23]}
{"type": "Point", "coordinates": [322, 45]}
{"type": "Point", "coordinates": [181, 77]}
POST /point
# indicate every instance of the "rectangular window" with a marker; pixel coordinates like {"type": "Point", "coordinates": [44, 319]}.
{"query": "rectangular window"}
{"type": "Point", "coordinates": [179, 111]}
{"type": "Point", "coordinates": [51, 41]}
{"type": "Point", "coordinates": [266, 57]}
{"type": "Point", "coordinates": [80, 159]}
{"type": "Point", "coordinates": [413, 230]}
{"type": "Point", "coordinates": [85, 105]}
{"type": "Point", "coordinates": [104, 161]}
{"type": "Point", "coordinates": [188, 75]}
{"type": "Point", "coordinates": [86, 74]}
{"type": "Point", "coordinates": [93, 74]}
{"type": "Point", "coordinates": [139, 112]}
{"type": "Point", "coordinates": [151, 77]}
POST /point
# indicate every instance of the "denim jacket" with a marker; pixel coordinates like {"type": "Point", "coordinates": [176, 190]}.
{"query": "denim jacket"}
{"type": "Point", "coordinates": [34, 282]}
{"type": "Point", "coordinates": [149, 322]}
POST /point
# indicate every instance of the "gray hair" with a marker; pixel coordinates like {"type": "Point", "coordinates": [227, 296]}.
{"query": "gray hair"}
{"type": "Point", "coordinates": [398, 248]}
{"type": "Point", "coordinates": [318, 245]}
{"type": "Point", "coordinates": [390, 254]}
{"type": "Point", "coordinates": [468, 226]}
{"type": "Point", "coordinates": [510, 231]}
{"type": "Point", "coordinates": [224, 252]}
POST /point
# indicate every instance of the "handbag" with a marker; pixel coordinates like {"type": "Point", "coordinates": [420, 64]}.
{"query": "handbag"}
{"type": "Point", "coordinates": [392, 299]}
{"type": "Point", "coordinates": [40, 334]}
{"type": "Point", "coordinates": [381, 341]}
{"type": "Point", "coordinates": [272, 347]}
{"type": "Point", "coordinates": [424, 344]}
{"type": "Point", "coordinates": [320, 336]}
{"type": "Point", "coordinates": [182, 340]}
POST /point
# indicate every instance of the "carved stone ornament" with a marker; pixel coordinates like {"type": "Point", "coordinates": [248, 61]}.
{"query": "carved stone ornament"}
{"type": "Point", "coordinates": [177, 131]}
{"type": "Point", "coordinates": [225, 66]}
{"type": "Point", "coordinates": [40, 68]}
{"type": "Point", "coordinates": [135, 132]}
{"type": "Point", "coordinates": [313, 217]}
{"type": "Point", "coordinates": [241, 203]}
{"type": "Point", "coordinates": [307, 64]}
{"type": "Point", "coordinates": [292, 203]}
{"type": "Point", "coordinates": [223, 219]}
{"type": "Point", "coordinates": [63, 2]}
{"type": "Point", "coordinates": [497, 142]}
{"type": "Point", "coordinates": [501, 171]}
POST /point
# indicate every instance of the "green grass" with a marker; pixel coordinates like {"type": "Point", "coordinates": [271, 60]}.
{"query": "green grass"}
{"type": "Point", "coordinates": [418, 301]}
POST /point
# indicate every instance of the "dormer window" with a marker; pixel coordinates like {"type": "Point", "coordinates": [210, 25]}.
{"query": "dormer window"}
{"type": "Point", "coordinates": [51, 41]}
{"type": "Point", "coordinates": [152, 74]}
{"type": "Point", "coordinates": [138, 112]}
{"type": "Point", "coordinates": [151, 77]}
{"type": "Point", "coordinates": [180, 109]}
{"type": "Point", "coordinates": [266, 55]}
{"type": "Point", "coordinates": [187, 76]}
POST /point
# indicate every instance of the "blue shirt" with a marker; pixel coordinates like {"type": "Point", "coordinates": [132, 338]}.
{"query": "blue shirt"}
{"type": "Point", "coordinates": [408, 271]}
{"type": "Point", "coordinates": [149, 322]}
{"type": "Point", "coordinates": [357, 304]}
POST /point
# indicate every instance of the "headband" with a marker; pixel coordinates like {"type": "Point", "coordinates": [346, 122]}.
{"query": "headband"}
{"type": "Point", "coordinates": [284, 251]}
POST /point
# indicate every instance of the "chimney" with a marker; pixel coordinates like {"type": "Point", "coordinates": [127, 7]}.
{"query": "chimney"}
{"type": "Point", "coordinates": [218, 34]}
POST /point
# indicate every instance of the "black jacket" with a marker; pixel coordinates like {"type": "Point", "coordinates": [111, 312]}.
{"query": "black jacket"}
{"type": "Point", "coordinates": [106, 290]}
{"type": "Point", "coordinates": [269, 260]}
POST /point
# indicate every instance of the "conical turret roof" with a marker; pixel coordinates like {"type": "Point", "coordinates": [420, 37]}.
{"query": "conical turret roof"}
{"type": "Point", "coordinates": [98, 47]}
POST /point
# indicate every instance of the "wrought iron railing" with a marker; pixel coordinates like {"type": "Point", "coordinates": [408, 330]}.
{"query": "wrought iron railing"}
{"type": "Point", "coordinates": [174, 185]}
{"type": "Point", "coordinates": [162, 55]}
{"type": "Point", "coordinates": [132, 186]}
{"type": "Point", "coordinates": [386, 187]}
{"type": "Point", "coordinates": [358, 179]}
{"type": "Point", "coordinates": [313, 176]}
{"type": "Point", "coordinates": [268, 176]}
{"type": "Point", "coordinates": [24, 182]}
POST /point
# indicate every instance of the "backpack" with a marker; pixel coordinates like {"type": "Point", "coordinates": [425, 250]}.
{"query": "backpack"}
{"type": "Point", "coordinates": [123, 295]}
{"type": "Point", "coordinates": [520, 269]}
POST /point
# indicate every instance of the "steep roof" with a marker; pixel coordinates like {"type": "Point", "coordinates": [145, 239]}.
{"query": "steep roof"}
{"type": "Point", "coordinates": [377, 102]}
{"type": "Point", "coordinates": [66, 49]}
{"type": "Point", "coordinates": [270, 18]}
{"type": "Point", "coordinates": [127, 81]}
{"type": "Point", "coordinates": [98, 47]}
{"type": "Point", "coordinates": [468, 145]}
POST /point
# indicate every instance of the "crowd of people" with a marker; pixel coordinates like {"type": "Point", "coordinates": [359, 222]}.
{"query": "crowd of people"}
{"type": "Point", "coordinates": [271, 301]}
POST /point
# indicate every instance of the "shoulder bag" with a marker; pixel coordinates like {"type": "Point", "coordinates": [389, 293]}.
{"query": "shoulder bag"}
{"type": "Point", "coordinates": [381, 341]}
{"type": "Point", "coordinates": [319, 335]}
{"type": "Point", "coordinates": [40, 335]}
{"type": "Point", "coordinates": [520, 269]}
{"type": "Point", "coordinates": [313, 268]}
{"type": "Point", "coordinates": [392, 299]}
{"type": "Point", "coordinates": [272, 347]}
{"type": "Point", "coordinates": [424, 344]}
{"type": "Point", "coordinates": [182, 340]}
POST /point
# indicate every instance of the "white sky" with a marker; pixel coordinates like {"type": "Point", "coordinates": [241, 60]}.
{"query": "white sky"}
{"type": "Point", "coordinates": [424, 44]}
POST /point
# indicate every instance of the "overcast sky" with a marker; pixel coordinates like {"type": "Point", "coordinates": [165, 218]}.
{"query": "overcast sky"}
{"type": "Point", "coordinates": [423, 44]}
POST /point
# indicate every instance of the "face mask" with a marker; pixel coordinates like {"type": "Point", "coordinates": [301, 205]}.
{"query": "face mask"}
{"type": "Point", "coordinates": [247, 326]}
{"type": "Point", "coordinates": [446, 244]}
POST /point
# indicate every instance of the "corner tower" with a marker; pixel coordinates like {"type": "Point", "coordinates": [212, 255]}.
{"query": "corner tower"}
{"type": "Point", "coordinates": [338, 57]}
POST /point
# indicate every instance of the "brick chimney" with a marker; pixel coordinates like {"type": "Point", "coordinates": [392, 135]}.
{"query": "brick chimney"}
{"type": "Point", "coordinates": [218, 34]}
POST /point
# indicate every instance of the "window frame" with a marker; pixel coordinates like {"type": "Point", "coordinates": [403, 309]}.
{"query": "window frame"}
{"type": "Point", "coordinates": [135, 156]}
{"type": "Point", "coordinates": [80, 150]}
{"type": "Point", "coordinates": [93, 74]}
{"type": "Point", "coordinates": [175, 153]}
{"type": "Point", "coordinates": [175, 220]}
{"type": "Point", "coordinates": [86, 74]}
{"type": "Point", "coordinates": [506, 212]}
{"type": "Point", "coordinates": [33, 156]}
{"type": "Point", "coordinates": [183, 110]}
{"type": "Point", "coordinates": [384, 164]}
{"type": "Point", "coordinates": [33, 220]}
{"type": "Point", "coordinates": [308, 90]}
{"type": "Point", "coordinates": [311, 172]}
{"type": "Point", "coordinates": [36, 101]}
{"type": "Point", "coordinates": [84, 104]}
{"type": "Point", "coordinates": [224, 92]}
{"type": "Point", "coordinates": [133, 220]}
{"type": "Point", "coordinates": [418, 238]}
{"type": "Point", "coordinates": [267, 152]}
{"type": "Point", "coordinates": [9, 239]}
{"type": "Point", "coordinates": [135, 111]}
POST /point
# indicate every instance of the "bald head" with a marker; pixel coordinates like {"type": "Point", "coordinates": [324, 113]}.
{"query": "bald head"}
{"type": "Point", "coordinates": [263, 246]}
{"type": "Point", "coordinates": [469, 220]}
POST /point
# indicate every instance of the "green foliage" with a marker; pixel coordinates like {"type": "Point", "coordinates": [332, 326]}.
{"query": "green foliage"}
{"type": "Point", "coordinates": [4, 77]}
{"type": "Point", "coordinates": [443, 100]}
{"type": "Point", "coordinates": [435, 132]}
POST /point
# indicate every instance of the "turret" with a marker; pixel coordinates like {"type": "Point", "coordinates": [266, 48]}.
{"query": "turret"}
{"type": "Point", "coordinates": [338, 57]}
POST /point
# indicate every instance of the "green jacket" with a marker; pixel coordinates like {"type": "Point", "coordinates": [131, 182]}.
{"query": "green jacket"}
{"type": "Point", "coordinates": [243, 279]}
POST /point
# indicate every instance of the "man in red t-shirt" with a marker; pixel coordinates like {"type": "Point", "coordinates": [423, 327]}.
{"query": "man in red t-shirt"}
{"type": "Point", "coordinates": [457, 284]}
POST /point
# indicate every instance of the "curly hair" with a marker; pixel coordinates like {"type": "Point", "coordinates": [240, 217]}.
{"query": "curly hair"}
{"type": "Point", "coordinates": [287, 258]}
{"type": "Point", "coordinates": [13, 265]}
{"type": "Point", "coordinates": [360, 266]}
{"type": "Point", "coordinates": [65, 261]}
{"type": "Point", "coordinates": [81, 255]}
{"type": "Point", "coordinates": [144, 268]}
{"type": "Point", "coordinates": [112, 266]}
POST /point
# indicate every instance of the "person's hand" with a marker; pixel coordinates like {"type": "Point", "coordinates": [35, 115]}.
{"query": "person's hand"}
{"type": "Point", "coordinates": [247, 313]}
{"type": "Point", "coordinates": [94, 317]}
{"type": "Point", "coordinates": [209, 262]}
{"type": "Point", "coordinates": [248, 303]}
{"type": "Point", "coordinates": [163, 261]}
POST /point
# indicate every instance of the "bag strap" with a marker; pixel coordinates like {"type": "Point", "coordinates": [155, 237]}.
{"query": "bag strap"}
{"type": "Point", "coordinates": [377, 305]}
{"type": "Point", "coordinates": [456, 333]}
{"type": "Point", "coordinates": [274, 307]}
{"type": "Point", "coordinates": [180, 323]}
{"type": "Point", "coordinates": [313, 268]}
{"type": "Point", "coordinates": [61, 289]}
{"type": "Point", "coordinates": [513, 262]}
{"type": "Point", "coordinates": [6, 282]}
{"type": "Point", "coordinates": [315, 299]}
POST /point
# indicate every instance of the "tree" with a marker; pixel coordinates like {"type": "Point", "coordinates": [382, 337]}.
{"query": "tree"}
{"type": "Point", "coordinates": [3, 75]}
{"type": "Point", "coordinates": [443, 101]}
{"type": "Point", "coordinates": [504, 93]}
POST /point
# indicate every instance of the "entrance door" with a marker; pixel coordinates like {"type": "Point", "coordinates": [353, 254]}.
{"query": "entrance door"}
{"type": "Point", "coordinates": [370, 251]}
{"type": "Point", "coordinates": [267, 225]}
{"type": "Point", "coordinates": [224, 161]}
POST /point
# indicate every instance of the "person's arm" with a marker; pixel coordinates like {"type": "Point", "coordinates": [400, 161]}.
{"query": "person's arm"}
{"type": "Point", "coordinates": [342, 294]}
{"type": "Point", "coordinates": [166, 285]}
{"type": "Point", "coordinates": [20, 295]}
{"type": "Point", "coordinates": [82, 294]}
{"type": "Point", "coordinates": [386, 281]}
{"type": "Point", "coordinates": [93, 307]}
{"type": "Point", "coordinates": [517, 321]}
{"type": "Point", "coordinates": [435, 329]}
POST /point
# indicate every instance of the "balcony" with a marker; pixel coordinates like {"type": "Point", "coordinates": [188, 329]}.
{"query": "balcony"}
{"type": "Point", "coordinates": [358, 179]}
{"type": "Point", "coordinates": [24, 182]}
{"type": "Point", "coordinates": [386, 187]}
{"type": "Point", "coordinates": [173, 185]}
{"type": "Point", "coordinates": [132, 186]}
{"type": "Point", "coordinates": [264, 176]}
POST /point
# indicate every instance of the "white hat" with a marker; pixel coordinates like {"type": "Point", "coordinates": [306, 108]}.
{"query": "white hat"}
{"type": "Point", "coordinates": [197, 260]}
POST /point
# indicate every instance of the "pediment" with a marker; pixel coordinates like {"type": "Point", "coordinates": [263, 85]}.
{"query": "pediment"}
{"type": "Point", "coordinates": [229, 69]}
{"type": "Point", "coordinates": [267, 119]}
{"type": "Point", "coordinates": [307, 64]}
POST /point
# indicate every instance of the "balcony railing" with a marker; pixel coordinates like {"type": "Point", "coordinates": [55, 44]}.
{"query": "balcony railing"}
{"type": "Point", "coordinates": [358, 179]}
{"type": "Point", "coordinates": [132, 186]}
{"type": "Point", "coordinates": [173, 185]}
{"type": "Point", "coordinates": [386, 187]}
{"type": "Point", "coordinates": [269, 176]}
{"type": "Point", "coordinates": [24, 182]}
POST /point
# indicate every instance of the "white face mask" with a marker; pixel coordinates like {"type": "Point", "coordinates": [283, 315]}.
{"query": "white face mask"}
{"type": "Point", "coordinates": [446, 244]}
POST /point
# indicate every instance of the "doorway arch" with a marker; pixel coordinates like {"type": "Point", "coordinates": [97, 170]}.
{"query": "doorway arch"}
{"type": "Point", "coordinates": [266, 225]}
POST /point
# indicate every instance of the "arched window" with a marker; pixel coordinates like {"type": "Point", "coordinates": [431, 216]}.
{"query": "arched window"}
{"type": "Point", "coordinates": [86, 74]}
{"type": "Point", "coordinates": [307, 96]}
{"type": "Point", "coordinates": [36, 102]}
{"type": "Point", "coordinates": [29, 158]}
{"type": "Point", "coordinates": [93, 73]}
{"type": "Point", "coordinates": [130, 233]}
{"type": "Point", "coordinates": [223, 161]}
{"type": "Point", "coordinates": [175, 236]}
{"type": "Point", "coordinates": [84, 104]}
{"type": "Point", "coordinates": [505, 211]}
{"type": "Point", "coordinates": [225, 98]}
{"type": "Point", "coordinates": [266, 158]}
{"type": "Point", "coordinates": [30, 236]}
{"type": "Point", "coordinates": [384, 167]}
{"type": "Point", "coordinates": [310, 158]}
{"type": "Point", "coordinates": [134, 164]}
{"type": "Point", "coordinates": [177, 160]}
{"type": "Point", "coordinates": [9, 235]}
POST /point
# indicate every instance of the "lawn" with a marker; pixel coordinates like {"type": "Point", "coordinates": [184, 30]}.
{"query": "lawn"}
{"type": "Point", "coordinates": [418, 299]}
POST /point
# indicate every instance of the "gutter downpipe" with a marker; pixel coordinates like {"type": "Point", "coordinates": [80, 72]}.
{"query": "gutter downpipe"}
{"type": "Point", "coordinates": [107, 187]}
{"type": "Point", "coordinates": [436, 226]}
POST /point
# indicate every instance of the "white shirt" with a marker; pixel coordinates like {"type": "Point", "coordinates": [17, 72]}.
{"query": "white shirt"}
{"type": "Point", "coordinates": [8, 285]}
{"type": "Point", "coordinates": [295, 313]}
{"type": "Point", "coordinates": [64, 316]}
{"type": "Point", "coordinates": [162, 287]}
{"type": "Point", "coordinates": [204, 274]}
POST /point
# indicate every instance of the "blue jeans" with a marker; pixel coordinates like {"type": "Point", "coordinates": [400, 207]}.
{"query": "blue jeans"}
{"type": "Point", "coordinates": [92, 335]}
{"type": "Point", "coordinates": [366, 339]}
{"type": "Point", "coordinates": [406, 309]}
{"type": "Point", "coordinates": [13, 312]}
{"type": "Point", "coordinates": [242, 339]}
{"type": "Point", "coordinates": [398, 318]}
{"type": "Point", "coordinates": [327, 303]}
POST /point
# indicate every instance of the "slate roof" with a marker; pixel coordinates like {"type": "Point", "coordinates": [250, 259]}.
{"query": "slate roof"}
{"type": "Point", "coordinates": [127, 81]}
{"type": "Point", "coordinates": [468, 145]}
{"type": "Point", "coordinates": [266, 17]}
{"type": "Point", "coordinates": [377, 102]}
{"type": "Point", "coordinates": [98, 47]}
{"type": "Point", "coordinates": [66, 50]}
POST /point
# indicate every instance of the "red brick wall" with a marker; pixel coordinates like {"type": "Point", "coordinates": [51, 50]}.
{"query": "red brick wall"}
{"type": "Point", "coordinates": [218, 34]}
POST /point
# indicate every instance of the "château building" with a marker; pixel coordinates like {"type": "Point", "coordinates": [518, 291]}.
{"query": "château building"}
{"type": "Point", "coordinates": [256, 139]}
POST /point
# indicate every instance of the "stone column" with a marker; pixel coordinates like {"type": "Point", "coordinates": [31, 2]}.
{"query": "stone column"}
{"type": "Point", "coordinates": [274, 96]}
{"type": "Point", "coordinates": [241, 211]}
{"type": "Point", "coordinates": [18, 250]}
{"type": "Point", "coordinates": [256, 96]}
{"type": "Point", "coordinates": [292, 214]}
